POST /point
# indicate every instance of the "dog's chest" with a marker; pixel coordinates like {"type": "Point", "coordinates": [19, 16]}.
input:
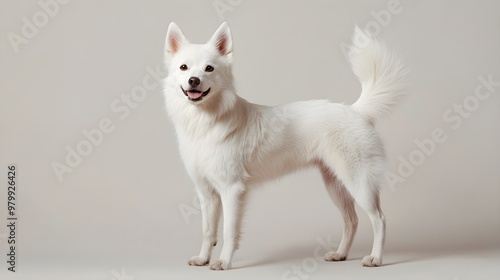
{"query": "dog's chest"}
{"type": "Point", "coordinates": [208, 155]}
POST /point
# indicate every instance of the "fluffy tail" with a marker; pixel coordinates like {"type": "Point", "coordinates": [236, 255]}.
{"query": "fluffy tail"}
{"type": "Point", "coordinates": [381, 73]}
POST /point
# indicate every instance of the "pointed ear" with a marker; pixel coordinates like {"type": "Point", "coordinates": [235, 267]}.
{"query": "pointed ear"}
{"type": "Point", "coordinates": [222, 40]}
{"type": "Point", "coordinates": [175, 40]}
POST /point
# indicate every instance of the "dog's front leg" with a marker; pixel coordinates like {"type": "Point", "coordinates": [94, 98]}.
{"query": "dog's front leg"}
{"type": "Point", "coordinates": [210, 216]}
{"type": "Point", "coordinates": [233, 199]}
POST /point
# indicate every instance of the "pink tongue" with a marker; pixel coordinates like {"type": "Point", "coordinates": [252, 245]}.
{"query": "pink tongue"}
{"type": "Point", "coordinates": [194, 95]}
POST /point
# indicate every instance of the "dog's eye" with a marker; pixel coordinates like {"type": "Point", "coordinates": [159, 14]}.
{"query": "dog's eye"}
{"type": "Point", "coordinates": [184, 67]}
{"type": "Point", "coordinates": [209, 68]}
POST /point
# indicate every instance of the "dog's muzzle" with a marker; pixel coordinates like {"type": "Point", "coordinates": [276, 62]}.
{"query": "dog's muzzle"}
{"type": "Point", "coordinates": [195, 95]}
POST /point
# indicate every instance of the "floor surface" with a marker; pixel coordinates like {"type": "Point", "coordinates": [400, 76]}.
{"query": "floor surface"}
{"type": "Point", "coordinates": [484, 264]}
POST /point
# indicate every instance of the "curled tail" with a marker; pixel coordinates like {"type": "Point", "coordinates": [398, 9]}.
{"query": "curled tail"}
{"type": "Point", "coordinates": [381, 73]}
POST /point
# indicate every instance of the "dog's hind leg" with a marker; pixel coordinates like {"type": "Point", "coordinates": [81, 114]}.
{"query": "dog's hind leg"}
{"type": "Point", "coordinates": [361, 180]}
{"type": "Point", "coordinates": [364, 189]}
{"type": "Point", "coordinates": [367, 197]}
{"type": "Point", "coordinates": [344, 201]}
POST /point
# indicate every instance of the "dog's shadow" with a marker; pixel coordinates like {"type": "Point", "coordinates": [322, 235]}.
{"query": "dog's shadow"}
{"type": "Point", "coordinates": [286, 255]}
{"type": "Point", "coordinates": [303, 252]}
{"type": "Point", "coordinates": [290, 253]}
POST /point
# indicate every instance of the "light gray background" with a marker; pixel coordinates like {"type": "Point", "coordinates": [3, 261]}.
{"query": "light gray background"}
{"type": "Point", "coordinates": [120, 207]}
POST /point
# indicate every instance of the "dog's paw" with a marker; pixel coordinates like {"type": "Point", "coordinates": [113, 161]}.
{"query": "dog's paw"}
{"type": "Point", "coordinates": [334, 257]}
{"type": "Point", "coordinates": [219, 265]}
{"type": "Point", "coordinates": [198, 261]}
{"type": "Point", "coordinates": [371, 261]}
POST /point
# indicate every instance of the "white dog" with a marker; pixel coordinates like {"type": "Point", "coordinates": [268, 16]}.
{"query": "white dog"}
{"type": "Point", "coordinates": [229, 145]}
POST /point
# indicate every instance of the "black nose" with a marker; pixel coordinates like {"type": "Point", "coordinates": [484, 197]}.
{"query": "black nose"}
{"type": "Point", "coordinates": [194, 82]}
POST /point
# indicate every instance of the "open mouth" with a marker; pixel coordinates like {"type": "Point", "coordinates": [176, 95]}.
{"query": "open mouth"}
{"type": "Point", "coordinates": [195, 95]}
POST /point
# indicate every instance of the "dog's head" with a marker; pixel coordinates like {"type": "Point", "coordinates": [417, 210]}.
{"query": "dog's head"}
{"type": "Point", "coordinates": [199, 71]}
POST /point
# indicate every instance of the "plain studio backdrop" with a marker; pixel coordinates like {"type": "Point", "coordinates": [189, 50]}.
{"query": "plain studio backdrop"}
{"type": "Point", "coordinates": [102, 192]}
